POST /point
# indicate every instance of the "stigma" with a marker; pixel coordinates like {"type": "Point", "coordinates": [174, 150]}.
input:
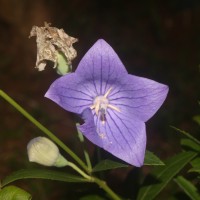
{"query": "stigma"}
{"type": "Point", "coordinates": [101, 104]}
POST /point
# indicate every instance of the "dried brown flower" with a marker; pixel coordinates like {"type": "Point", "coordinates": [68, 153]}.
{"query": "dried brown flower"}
{"type": "Point", "coordinates": [52, 42]}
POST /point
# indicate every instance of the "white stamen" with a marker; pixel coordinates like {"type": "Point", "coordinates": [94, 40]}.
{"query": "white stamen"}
{"type": "Point", "coordinates": [100, 105]}
{"type": "Point", "coordinates": [107, 93]}
{"type": "Point", "coordinates": [114, 107]}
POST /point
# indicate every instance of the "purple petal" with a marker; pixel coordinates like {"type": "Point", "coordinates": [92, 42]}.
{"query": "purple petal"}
{"type": "Point", "coordinates": [72, 93]}
{"type": "Point", "coordinates": [89, 128]}
{"type": "Point", "coordinates": [122, 135]}
{"type": "Point", "coordinates": [131, 101]}
{"type": "Point", "coordinates": [140, 96]}
{"type": "Point", "coordinates": [101, 66]}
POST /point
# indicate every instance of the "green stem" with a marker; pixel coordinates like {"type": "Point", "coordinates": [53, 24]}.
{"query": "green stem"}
{"type": "Point", "coordinates": [99, 182]}
{"type": "Point", "coordinates": [87, 158]}
{"type": "Point", "coordinates": [105, 187]}
{"type": "Point", "coordinates": [43, 129]}
{"type": "Point", "coordinates": [72, 165]}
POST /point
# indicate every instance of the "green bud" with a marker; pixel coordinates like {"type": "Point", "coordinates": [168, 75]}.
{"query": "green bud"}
{"type": "Point", "coordinates": [43, 151]}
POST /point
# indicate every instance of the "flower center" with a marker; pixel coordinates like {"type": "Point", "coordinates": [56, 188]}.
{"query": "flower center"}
{"type": "Point", "coordinates": [100, 105]}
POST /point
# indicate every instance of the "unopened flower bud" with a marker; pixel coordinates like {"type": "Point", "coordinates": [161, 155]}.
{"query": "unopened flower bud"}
{"type": "Point", "coordinates": [43, 151]}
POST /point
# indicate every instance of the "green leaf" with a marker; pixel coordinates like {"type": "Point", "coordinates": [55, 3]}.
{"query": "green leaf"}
{"type": "Point", "coordinates": [188, 188]}
{"type": "Point", "coordinates": [190, 144]}
{"type": "Point", "coordinates": [195, 169]}
{"type": "Point", "coordinates": [197, 119]}
{"type": "Point", "coordinates": [152, 159]}
{"type": "Point", "coordinates": [163, 174]}
{"type": "Point", "coordinates": [14, 193]}
{"type": "Point", "coordinates": [107, 164]}
{"type": "Point", "coordinates": [42, 174]}
{"type": "Point", "coordinates": [195, 165]}
{"type": "Point", "coordinates": [195, 162]}
{"type": "Point", "coordinates": [186, 134]}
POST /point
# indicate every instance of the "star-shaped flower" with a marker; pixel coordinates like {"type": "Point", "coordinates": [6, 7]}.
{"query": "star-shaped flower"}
{"type": "Point", "coordinates": [114, 104]}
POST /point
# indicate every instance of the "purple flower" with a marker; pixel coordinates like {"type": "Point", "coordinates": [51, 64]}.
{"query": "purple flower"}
{"type": "Point", "coordinates": [114, 104]}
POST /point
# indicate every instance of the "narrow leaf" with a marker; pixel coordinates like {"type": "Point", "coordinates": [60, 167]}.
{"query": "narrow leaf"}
{"type": "Point", "coordinates": [163, 174]}
{"type": "Point", "coordinates": [186, 134]}
{"type": "Point", "coordinates": [190, 144]}
{"type": "Point", "coordinates": [195, 169]}
{"type": "Point", "coordinates": [108, 164]}
{"type": "Point", "coordinates": [152, 159]}
{"type": "Point", "coordinates": [188, 188]}
{"type": "Point", "coordinates": [195, 165]}
{"type": "Point", "coordinates": [14, 193]}
{"type": "Point", "coordinates": [195, 162]}
{"type": "Point", "coordinates": [42, 174]}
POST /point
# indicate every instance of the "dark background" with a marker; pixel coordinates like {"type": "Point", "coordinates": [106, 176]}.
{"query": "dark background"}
{"type": "Point", "coordinates": [159, 40]}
